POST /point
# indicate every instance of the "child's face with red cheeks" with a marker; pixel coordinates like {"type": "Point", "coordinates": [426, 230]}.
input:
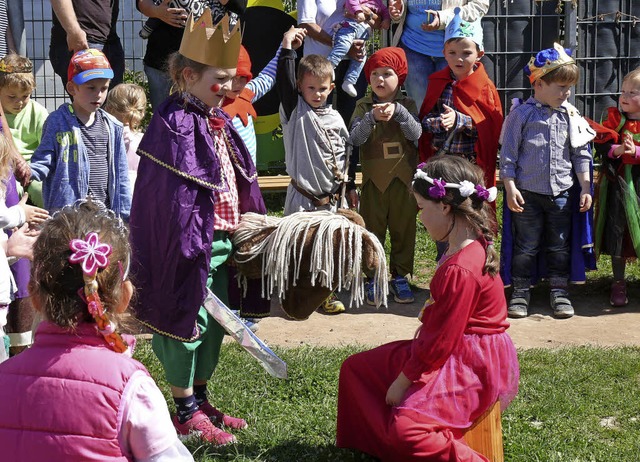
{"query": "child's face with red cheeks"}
{"type": "Point", "coordinates": [384, 83]}
{"type": "Point", "coordinates": [202, 85]}
{"type": "Point", "coordinates": [461, 56]}
{"type": "Point", "coordinates": [315, 90]}
{"type": "Point", "coordinates": [629, 99]}
{"type": "Point", "coordinates": [237, 85]}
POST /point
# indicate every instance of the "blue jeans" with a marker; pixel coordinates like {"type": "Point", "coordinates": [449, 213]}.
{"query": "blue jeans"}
{"type": "Point", "coordinates": [544, 225]}
{"type": "Point", "coordinates": [159, 85]}
{"type": "Point", "coordinates": [342, 40]}
{"type": "Point", "coordinates": [59, 55]}
{"type": "Point", "coordinates": [420, 68]}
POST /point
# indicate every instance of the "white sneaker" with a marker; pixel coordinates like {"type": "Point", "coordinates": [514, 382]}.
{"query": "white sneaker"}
{"type": "Point", "coordinates": [349, 89]}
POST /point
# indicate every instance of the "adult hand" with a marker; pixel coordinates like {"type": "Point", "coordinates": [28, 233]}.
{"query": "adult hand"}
{"type": "Point", "coordinates": [357, 51]}
{"type": "Point", "coordinates": [34, 215]}
{"type": "Point", "coordinates": [432, 21]}
{"type": "Point", "coordinates": [176, 17]}
{"type": "Point", "coordinates": [395, 9]}
{"type": "Point", "coordinates": [448, 117]}
{"type": "Point", "coordinates": [77, 40]}
{"type": "Point", "coordinates": [20, 243]}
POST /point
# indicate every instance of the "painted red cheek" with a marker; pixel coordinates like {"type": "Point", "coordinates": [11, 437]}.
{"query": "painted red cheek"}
{"type": "Point", "coordinates": [215, 88]}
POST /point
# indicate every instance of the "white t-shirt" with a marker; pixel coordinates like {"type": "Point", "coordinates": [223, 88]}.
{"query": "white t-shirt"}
{"type": "Point", "coordinates": [324, 13]}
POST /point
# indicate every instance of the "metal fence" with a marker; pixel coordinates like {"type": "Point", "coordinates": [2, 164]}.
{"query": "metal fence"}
{"type": "Point", "coordinates": [605, 33]}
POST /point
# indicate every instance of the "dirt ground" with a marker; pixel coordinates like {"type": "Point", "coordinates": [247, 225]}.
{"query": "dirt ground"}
{"type": "Point", "coordinates": [595, 323]}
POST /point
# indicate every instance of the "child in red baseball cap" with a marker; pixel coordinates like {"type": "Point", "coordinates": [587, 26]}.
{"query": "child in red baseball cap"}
{"type": "Point", "coordinates": [82, 150]}
{"type": "Point", "coordinates": [386, 127]}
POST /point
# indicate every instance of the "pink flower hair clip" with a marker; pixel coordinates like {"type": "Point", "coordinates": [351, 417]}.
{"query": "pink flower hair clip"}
{"type": "Point", "coordinates": [465, 187]}
{"type": "Point", "coordinates": [90, 254]}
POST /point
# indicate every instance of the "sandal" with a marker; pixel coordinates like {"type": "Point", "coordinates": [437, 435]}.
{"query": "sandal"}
{"type": "Point", "coordinates": [560, 304]}
{"type": "Point", "coordinates": [519, 303]}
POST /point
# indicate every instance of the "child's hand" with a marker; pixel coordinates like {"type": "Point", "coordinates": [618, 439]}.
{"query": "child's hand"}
{"type": "Point", "coordinates": [395, 9]}
{"type": "Point", "coordinates": [34, 215]}
{"type": "Point", "coordinates": [448, 118]}
{"type": "Point", "coordinates": [20, 244]}
{"type": "Point", "coordinates": [397, 390]}
{"type": "Point", "coordinates": [22, 171]}
{"type": "Point", "coordinates": [515, 201]}
{"type": "Point", "coordinates": [383, 112]}
{"type": "Point", "coordinates": [293, 38]}
{"type": "Point", "coordinates": [432, 21]}
{"type": "Point", "coordinates": [360, 17]}
{"type": "Point", "coordinates": [628, 144]}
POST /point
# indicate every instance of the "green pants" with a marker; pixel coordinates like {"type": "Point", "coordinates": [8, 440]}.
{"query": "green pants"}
{"type": "Point", "coordinates": [185, 361]}
{"type": "Point", "coordinates": [396, 210]}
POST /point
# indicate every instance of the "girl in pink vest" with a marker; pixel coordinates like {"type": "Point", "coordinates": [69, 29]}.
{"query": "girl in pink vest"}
{"type": "Point", "coordinates": [77, 394]}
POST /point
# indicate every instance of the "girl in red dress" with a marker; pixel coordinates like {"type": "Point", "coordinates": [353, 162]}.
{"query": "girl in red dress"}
{"type": "Point", "coordinates": [412, 400]}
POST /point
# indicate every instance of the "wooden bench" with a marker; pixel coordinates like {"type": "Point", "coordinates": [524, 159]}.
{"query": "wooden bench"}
{"type": "Point", "coordinates": [277, 183]}
{"type": "Point", "coordinates": [485, 435]}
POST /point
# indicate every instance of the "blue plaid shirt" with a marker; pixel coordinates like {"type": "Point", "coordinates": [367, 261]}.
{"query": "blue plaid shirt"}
{"type": "Point", "coordinates": [536, 150]}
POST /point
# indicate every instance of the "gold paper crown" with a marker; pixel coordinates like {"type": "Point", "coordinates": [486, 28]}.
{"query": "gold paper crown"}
{"type": "Point", "coordinates": [216, 46]}
{"type": "Point", "coordinates": [546, 61]}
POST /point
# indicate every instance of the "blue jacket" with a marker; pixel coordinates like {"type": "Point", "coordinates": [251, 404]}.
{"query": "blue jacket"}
{"type": "Point", "coordinates": [61, 162]}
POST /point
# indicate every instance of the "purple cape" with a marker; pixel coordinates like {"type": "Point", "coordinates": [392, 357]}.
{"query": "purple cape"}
{"type": "Point", "coordinates": [172, 213]}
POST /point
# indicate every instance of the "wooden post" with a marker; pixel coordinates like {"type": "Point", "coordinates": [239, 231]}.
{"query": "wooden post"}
{"type": "Point", "coordinates": [485, 435]}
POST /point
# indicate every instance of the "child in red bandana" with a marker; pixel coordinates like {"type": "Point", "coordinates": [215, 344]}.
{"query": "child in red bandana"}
{"type": "Point", "coordinates": [386, 127]}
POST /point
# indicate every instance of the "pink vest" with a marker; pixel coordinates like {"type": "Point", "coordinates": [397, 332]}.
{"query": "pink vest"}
{"type": "Point", "coordinates": [61, 398]}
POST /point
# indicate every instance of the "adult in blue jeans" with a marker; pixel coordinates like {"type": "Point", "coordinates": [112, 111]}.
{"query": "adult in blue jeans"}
{"type": "Point", "coordinates": [166, 37]}
{"type": "Point", "coordinates": [421, 34]}
{"type": "Point", "coordinates": [82, 24]}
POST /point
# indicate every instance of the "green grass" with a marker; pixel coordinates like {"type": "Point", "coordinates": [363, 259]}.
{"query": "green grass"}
{"type": "Point", "coordinates": [559, 414]}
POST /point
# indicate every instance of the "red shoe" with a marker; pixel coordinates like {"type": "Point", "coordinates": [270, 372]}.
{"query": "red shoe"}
{"type": "Point", "coordinates": [200, 425]}
{"type": "Point", "coordinates": [618, 294]}
{"type": "Point", "coordinates": [218, 418]}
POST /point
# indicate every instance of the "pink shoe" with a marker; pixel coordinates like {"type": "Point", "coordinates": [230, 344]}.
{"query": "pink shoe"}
{"type": "Point", "coordinates": [218, 418]}
{"type": "Point", "coordinates": [200, 425]}
{"type": "Point", "coordinates": [618, 294]}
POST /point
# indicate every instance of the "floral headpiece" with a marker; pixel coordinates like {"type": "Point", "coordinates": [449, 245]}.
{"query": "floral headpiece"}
{"type": "Point", "coordinates": [547, 60]}
{"type": "Point", "coordinates": [6, 68]}
{"type": "Point", "coordinates": [92, 255]}
{"type": "Point", "coordinates": [466, 188]}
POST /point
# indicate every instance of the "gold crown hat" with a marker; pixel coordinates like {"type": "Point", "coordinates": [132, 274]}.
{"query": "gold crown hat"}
{"type": "Point", "coordinates": [216, 46]}
{"type": "Point", "coordinates": [546, 61]}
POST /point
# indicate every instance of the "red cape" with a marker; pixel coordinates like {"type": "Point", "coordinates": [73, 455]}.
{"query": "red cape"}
{"type": "Point", "coordinates": [477, 97]}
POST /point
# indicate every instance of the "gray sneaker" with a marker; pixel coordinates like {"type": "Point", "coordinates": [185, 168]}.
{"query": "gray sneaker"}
{"type": "Point", "coordinates": [560, 304]}
{"type": "Point", "coordinates": [519, 303]}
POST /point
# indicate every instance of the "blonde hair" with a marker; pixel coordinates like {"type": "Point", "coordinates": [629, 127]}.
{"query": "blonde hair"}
{"type": "Point", "coordinates": [5, 161]}
{"type": "Point", "coordinates": [23, 80]}
{"type": "Point", "coordinates": [633, 76]}
{"type": "Point", "coordinates": [315, 65]}
{"type": "Point", "coordinates": [128, 103]}
{"type": "Point", "coordinates": [176, 64]}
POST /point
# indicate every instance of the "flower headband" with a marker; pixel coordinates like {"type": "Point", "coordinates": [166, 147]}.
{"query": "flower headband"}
{"type": "Point", "coordinates": [92, 255]}
{"type": "Point", "coordinates": [466, 188]}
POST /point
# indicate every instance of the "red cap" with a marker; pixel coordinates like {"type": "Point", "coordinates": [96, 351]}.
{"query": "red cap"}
{"type": "Point", "coordinates": [87, 65]}
{"type": "Point", "coordinates": [392, 57]}
{"type": "Point", "coordinates": [244, 64]}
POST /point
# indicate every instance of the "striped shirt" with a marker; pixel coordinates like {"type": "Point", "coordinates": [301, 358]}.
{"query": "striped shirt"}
{"type": "Point", "coordinates": [260, 86]}
{"type": "Point", "coordinates": [536, 150]}
{"type": "Point", "coordinates": [96, 139]}
{"type": "Point", "coordinates": [465, 133]}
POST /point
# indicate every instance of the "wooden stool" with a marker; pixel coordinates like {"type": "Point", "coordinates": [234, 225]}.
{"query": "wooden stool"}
{"type": "Point", "coordinates": [485, 435]}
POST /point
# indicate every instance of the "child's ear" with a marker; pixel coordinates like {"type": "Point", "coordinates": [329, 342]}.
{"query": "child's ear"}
{"type": "Point", "coordinates": [446, 208]}
{"type": "Point", "coordinates": [125, 296]}
{"type": "Point", "coordinates": [71, 88]}
{"type": "Point", "coordinates": [332, 86]}
{"type": "Point", "coordinates": [480, 55]}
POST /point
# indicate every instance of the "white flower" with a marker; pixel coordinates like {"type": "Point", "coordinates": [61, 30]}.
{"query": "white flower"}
{"type": "Point", "coordinates": [466, 188]}
{"type": "Point", "coordinates": [493, 193]}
